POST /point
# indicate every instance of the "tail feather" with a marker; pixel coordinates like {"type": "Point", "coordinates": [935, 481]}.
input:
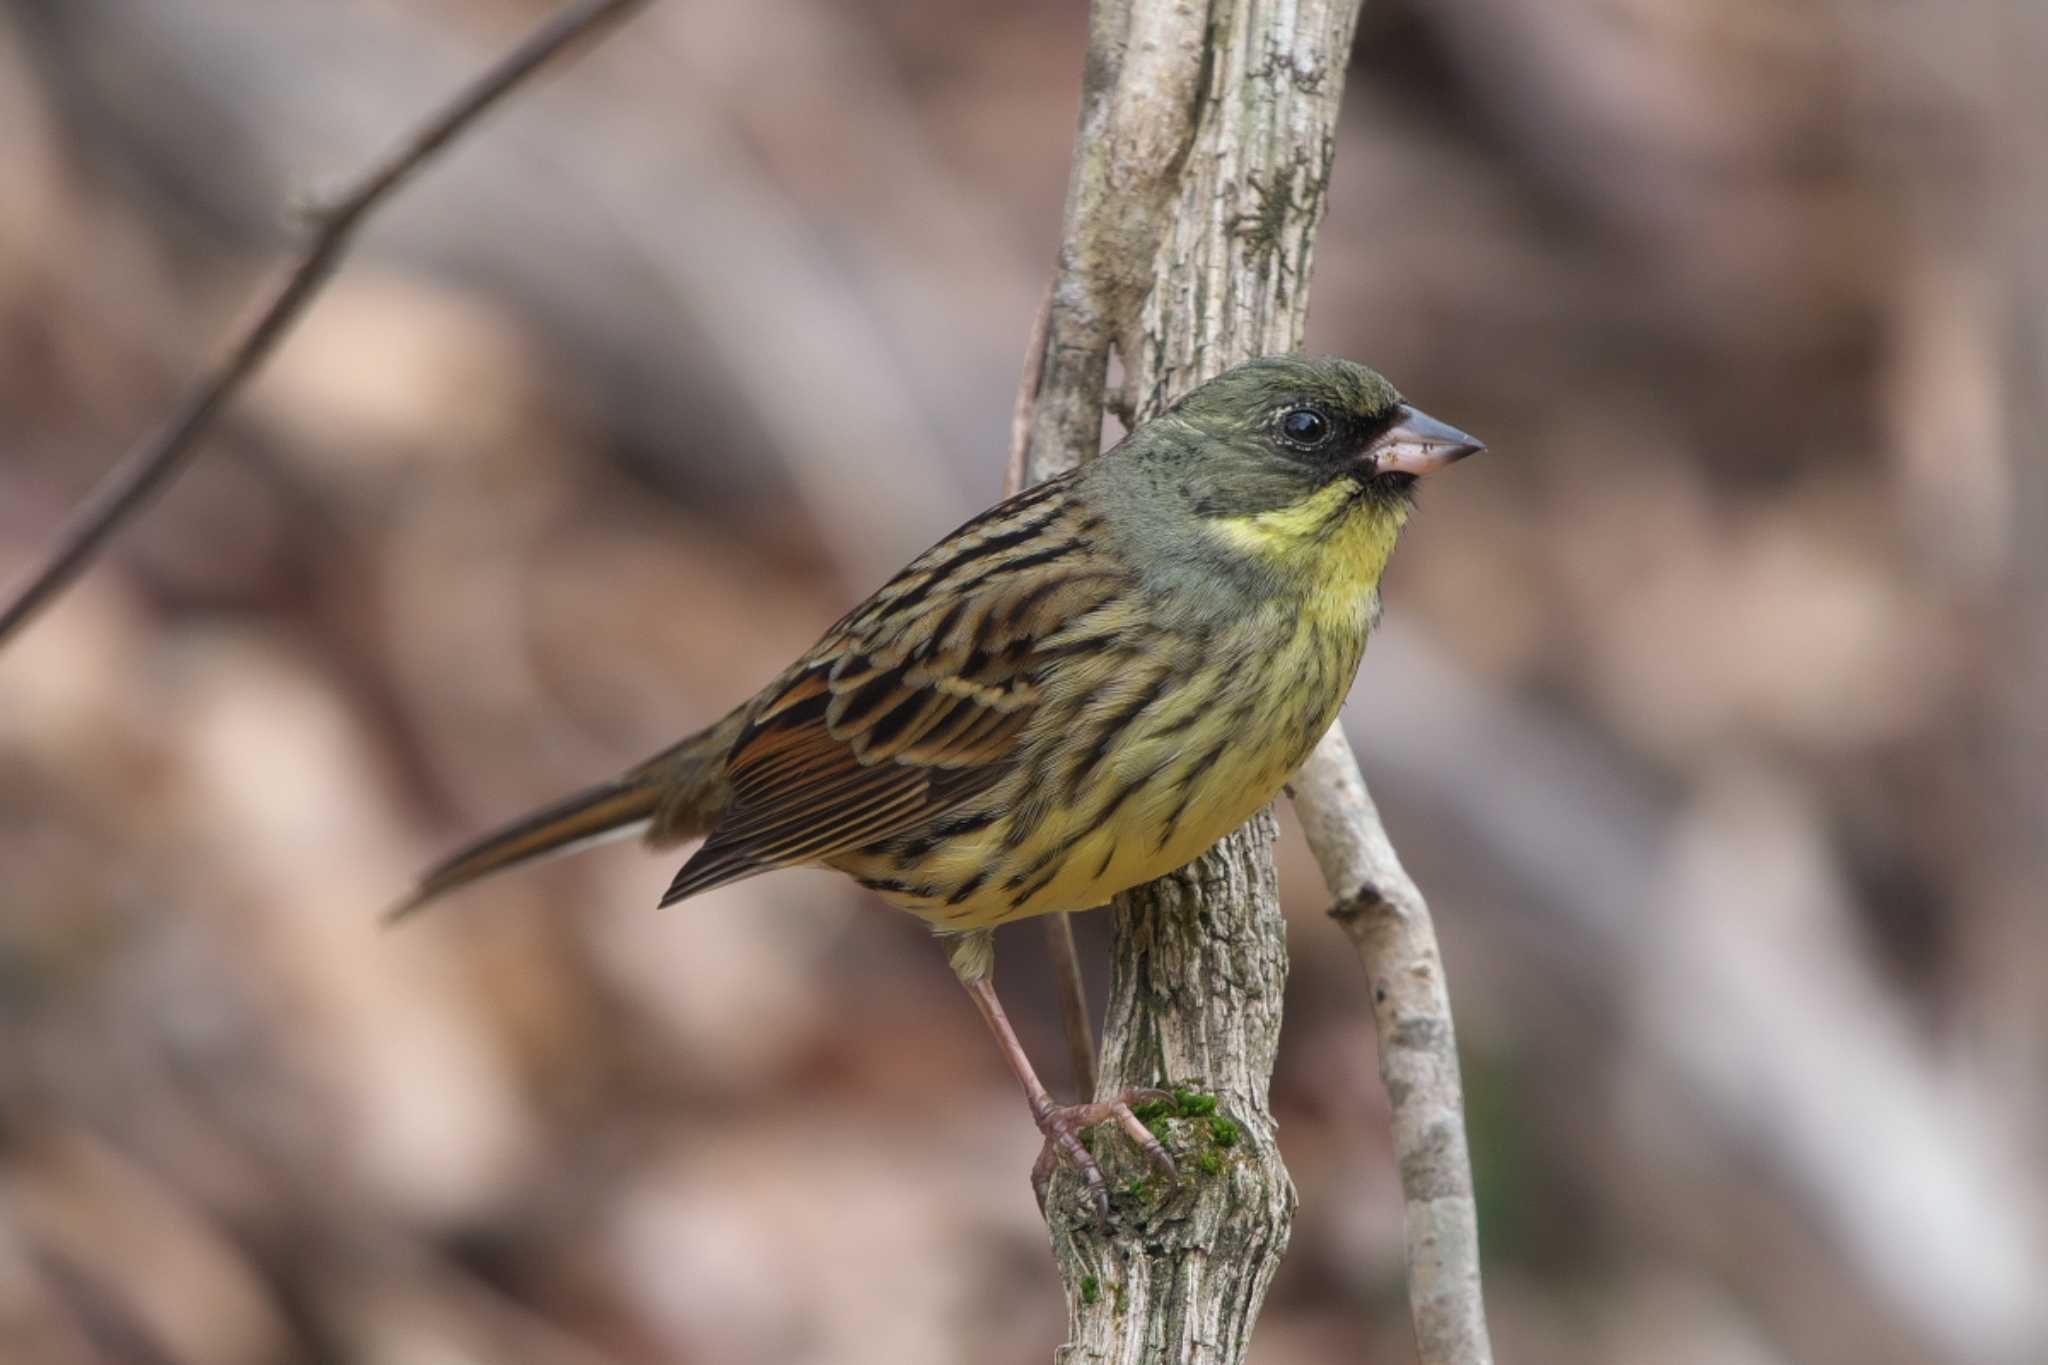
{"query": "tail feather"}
{"type": "Point", "coordinates": [674, 796]}
{"type": "Point", "coordinates": [609, 810]}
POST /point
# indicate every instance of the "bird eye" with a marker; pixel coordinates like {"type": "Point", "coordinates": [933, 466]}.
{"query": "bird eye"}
{"type": "Point", "coordinates": [1305, 426]}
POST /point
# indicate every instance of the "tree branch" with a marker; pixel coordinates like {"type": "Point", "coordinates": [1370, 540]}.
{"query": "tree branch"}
{"type": "Point", "coordinates": [1190, 225]}
{"type": "Point", "coordinates": [1381, 909]}
{"type": "Point", "coordinates": [1138, 93]}
{"type": "Point", "coordinates": [149, 466]}
{"type": "Point", "coordinates": [1188, 250]}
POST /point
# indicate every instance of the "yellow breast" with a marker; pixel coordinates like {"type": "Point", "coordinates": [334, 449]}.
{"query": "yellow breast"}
{"type": "Point", "coordinates": [1195, 761]}
{"type": "Point", "coordinates": [1339, 547]}
{"type": "Point", "coordinates": [1186, 773]}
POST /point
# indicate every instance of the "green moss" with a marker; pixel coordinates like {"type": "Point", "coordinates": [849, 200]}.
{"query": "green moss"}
{"type": "Point", "coordinates": [1091, 1289]}
{"type": "Point", "coordinates": [1194, 1106]}
{"type": "Point", "coordinates": [1224, 1132]}
{"type": "Point", "coordinates": [1210, 1162]}
{"type": "Point", "coordinates": [1136, 1189]}
{"type": "Point", "coordinates": [1152, 1109]}
{"type": "Point", "coordinates": [1157, 1127]}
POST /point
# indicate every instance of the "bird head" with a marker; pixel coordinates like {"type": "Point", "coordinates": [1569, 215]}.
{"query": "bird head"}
{"type": "Point", "coordinates": [1294, 468]}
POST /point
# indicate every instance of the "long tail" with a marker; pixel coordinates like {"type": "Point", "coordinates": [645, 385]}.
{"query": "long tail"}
{"type": "Point", "coordinates": [606, 811]}
{"type": "Point", "coordinates": [674, 796]}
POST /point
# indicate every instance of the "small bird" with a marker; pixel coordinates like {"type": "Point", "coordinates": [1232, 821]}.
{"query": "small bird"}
{"type": "Point", "coordinates": [1078, 691]}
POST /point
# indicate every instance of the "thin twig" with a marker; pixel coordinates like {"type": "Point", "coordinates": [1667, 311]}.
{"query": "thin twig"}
{"type": "Point", "coordinates": [1018, 474]}
{"type": "Point", "coordinates": [1072, 989]}
{"type": "Point", "coordinates": [149, 465]}
{"type": "Point", "coordinates": [1022, 471]}
{"type": "Point", "coordinates": [1380, 908]}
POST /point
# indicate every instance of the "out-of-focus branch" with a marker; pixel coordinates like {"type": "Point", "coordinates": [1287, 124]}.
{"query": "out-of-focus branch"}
{"type": "Point", "coordinates": [150, 465]}
{"type": "Point", "coordinates": [1381, 909]}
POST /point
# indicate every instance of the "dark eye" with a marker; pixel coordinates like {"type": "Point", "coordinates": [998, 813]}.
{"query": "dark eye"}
{"type": "Point", "coordinates": [1305, 426]}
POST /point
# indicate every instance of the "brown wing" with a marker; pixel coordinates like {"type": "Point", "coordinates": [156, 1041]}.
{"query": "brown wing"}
{"type": "Point", "coordinates": [916, 702]}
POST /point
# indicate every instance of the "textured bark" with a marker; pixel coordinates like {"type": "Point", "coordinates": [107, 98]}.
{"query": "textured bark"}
{"type": "Point", "coordinates": [1381, 909]}
{"type": "Point", "coordinates": [1180, 1272]}
{"type": "Point", "coordinates": [1237, 244]}
{"type": "Point", "coordinates": [1206, 138]}
{"type": "Point", "coordinates": [1138, 93]}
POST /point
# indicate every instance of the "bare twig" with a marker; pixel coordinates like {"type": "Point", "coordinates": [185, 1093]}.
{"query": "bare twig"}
{"type": "Point", "coordinates": [1073, 997]}
{"type": "Point", "coordinates": [1022, 470]}
{"type": "Point", "coordinates": [150, 465]}
{"type": "Point", "coordinates": [1616, 872]}
{"type": "Point", "coordinates": [1382, 910]}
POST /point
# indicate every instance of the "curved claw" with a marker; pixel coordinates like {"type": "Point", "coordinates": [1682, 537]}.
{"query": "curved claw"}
{"type": "Point", "coordinates": [1068, 1140]}
{"type": "Point", "coordinates": [1062, 1125]}
{"type": "Point", "coordinates": [1154, 1150]}
{"type": "Point", "coordinates": [1062, 1128]}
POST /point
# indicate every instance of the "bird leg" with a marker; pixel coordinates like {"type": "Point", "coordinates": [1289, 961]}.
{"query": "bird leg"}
{"type": "Point", "coordinates": [973, 961]}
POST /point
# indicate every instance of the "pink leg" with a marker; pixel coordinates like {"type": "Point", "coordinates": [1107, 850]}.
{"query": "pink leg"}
{"type": "Point", "coordinates": [1062, 1124]}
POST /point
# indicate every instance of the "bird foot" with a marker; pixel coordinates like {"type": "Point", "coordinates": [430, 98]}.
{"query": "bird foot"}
{"type": "Point", "coordinates": [1062, 1126]}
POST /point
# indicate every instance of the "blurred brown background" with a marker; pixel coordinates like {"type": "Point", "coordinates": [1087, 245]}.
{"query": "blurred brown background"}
{"type": "Point", "coordinates": [1712, 705]}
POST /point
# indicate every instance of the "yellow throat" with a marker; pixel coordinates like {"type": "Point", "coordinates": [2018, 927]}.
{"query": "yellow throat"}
{"type": "Point", "coordinates": [1339, 541]}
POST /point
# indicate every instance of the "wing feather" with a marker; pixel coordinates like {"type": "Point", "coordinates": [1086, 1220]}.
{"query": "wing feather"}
{"type": "Point", "coordinates": [915, 703]}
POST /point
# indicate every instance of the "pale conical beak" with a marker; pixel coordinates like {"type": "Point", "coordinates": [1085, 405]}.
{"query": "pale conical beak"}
{"type": "Point", "coordinates": [1419, 444]}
